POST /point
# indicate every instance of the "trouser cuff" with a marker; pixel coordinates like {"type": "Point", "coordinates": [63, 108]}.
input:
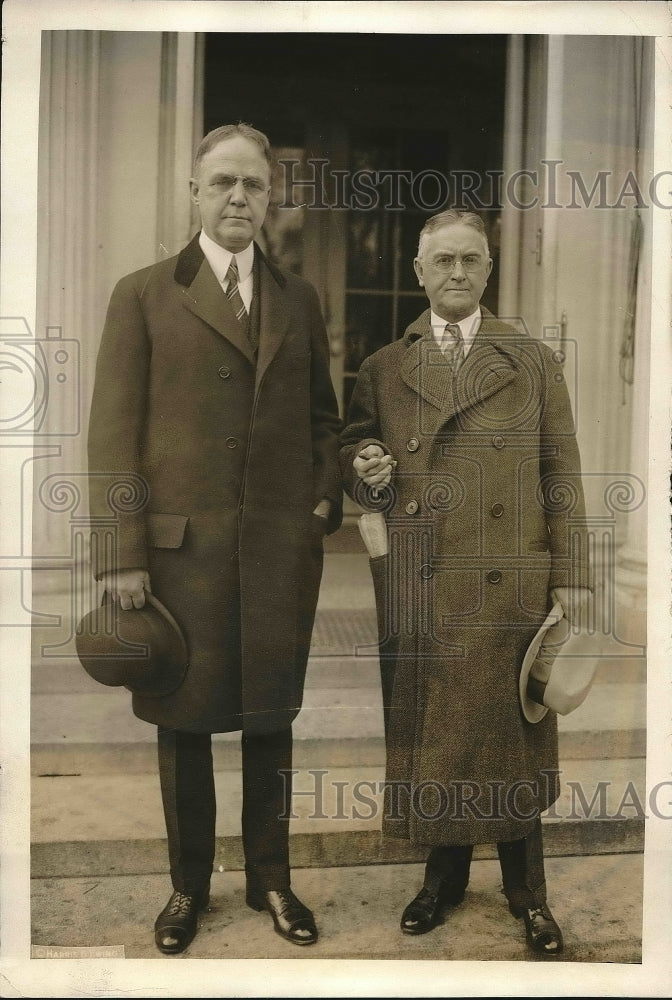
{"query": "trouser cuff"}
{"type": "Point", "coordinates": [268, 877]}
{"type": "Point", "coordinates": [448, 866]}
{"type": "Point", "coordinates": [190, 885]}
{"type": "Point", "coordinates": [523, 898]}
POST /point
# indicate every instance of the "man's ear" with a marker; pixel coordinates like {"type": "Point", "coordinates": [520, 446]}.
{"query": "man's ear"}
{"type": "Point", "coordinates": [417, 265]}
{"type": "Point", "coordinates": [193, 190]}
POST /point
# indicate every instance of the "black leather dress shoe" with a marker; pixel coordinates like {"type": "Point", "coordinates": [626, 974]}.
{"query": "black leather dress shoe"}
{"type": "Point", "coordinates": [542, 932]}
{"type": "Point", "coordinates": [292, 920]}
{"type": "Point", "coordinates": [424, 912]}
{"type": "Point", "coordinates": [177, 923]}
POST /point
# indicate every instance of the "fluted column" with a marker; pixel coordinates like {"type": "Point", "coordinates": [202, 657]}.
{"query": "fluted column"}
{"type": "Point", "coordinates": [631, 558]}
{"type": "Point", "coordinates": [119, 115]}
{"type": "Point", "coordinates": [180, 130]}
{"type": "Point", "coordinates": [573, 284]}
{"type": "Point", "coordinates": [66, 259]}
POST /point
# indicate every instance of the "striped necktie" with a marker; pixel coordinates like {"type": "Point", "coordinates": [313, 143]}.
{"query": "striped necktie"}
{"type": "Point", "coordinates": [236, 300]}
{"type": "Point", "coordinates": [452, 346]}
{"type": "Point", "coordinates": [233, 294]}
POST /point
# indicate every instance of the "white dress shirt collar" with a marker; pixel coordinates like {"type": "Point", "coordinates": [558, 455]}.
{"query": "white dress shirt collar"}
{"type": "Point", "coordinates": [469, 327]}
{"type": "Point", "coordinates": [219, 258]}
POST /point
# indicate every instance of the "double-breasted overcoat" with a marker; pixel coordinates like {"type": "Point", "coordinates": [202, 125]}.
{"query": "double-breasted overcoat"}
{"type": "Point", "coordinates": [224, 462]}
{"type": "Point", "coordinates": [484, 515]}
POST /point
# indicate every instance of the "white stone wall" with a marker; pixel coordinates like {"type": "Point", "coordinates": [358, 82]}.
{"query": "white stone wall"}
{"type": "Point", "coordinates": [117, 125]}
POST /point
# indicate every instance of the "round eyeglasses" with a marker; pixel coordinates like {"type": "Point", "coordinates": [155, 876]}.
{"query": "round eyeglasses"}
{"type": "Point", "coordinates": [448, 263]}
{"type": "Point", "coordinates": [251, 185]}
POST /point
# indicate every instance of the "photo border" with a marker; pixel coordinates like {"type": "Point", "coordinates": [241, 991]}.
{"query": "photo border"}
{"type": "Point", "coordinates": [23, 22]}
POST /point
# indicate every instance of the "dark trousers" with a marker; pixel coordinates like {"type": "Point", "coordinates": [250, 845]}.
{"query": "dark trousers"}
{"type": "Point", "coordinates": [521, 862]}
{"type": "Point", "coordinates": [188, 792]}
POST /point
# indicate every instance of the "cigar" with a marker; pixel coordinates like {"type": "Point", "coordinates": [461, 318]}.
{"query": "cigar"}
{"type": "Point", "coordinates": [374, 489]}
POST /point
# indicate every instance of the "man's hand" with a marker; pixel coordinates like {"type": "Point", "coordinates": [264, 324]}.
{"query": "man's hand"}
{"type": "Point", "coordinates": [374, 466]}
{"type": "Point", "coordinates": [574, 602]}
{"type": "Point", "coordinates": [128, 587]}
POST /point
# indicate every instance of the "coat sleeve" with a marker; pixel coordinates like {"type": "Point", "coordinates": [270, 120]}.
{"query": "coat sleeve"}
{"type": "Point", "coordinates": [361, 430]}
{"type": "Point", "coordinates": [325, 421]}
{"type": "Point", "coordinates": [560, 482]}
{"type": "Point", "coordinates": [117, 490]}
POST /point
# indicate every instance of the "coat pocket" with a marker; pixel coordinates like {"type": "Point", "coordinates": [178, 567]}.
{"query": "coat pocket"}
{"type": "Point", "coordinates": [166, 531]}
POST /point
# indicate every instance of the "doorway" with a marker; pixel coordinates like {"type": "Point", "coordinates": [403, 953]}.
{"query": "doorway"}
{"type": "Point", "coordinates": [373, 134]}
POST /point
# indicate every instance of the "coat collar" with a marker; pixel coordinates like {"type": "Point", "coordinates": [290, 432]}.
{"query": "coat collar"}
{"type": "Point", "coordinates": [488, 367]}
{"type": "Point", "coordinates": [190, 259]}
{"type": "Point", "coordinates": [203, 296]}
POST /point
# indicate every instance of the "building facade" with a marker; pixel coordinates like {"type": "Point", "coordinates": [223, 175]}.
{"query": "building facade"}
{"type": "Point", "coordinates": [550, 138]}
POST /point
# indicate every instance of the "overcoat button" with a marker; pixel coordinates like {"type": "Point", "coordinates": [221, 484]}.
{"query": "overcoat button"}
{"type": "Point", "coordinates": [494, 576]}
{"type": "Point", "coordinates": [413, 444]}
{"type": "Point", "coordinates": [498, 441]}
{"type": "Point", "coordinates": [232, 442]}
{"type": "Point", "coordinates": [412, 507]}
{"type": "Point", "coordinates": [224, 372]}
{"type": "Point", "coordinates": [496, 510]}
{"type": "Point", "coordinates": [426, 572]}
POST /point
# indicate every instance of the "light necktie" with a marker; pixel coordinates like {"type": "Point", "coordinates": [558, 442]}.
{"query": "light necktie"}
{"type": "Point", "coordinates": [452, 346]}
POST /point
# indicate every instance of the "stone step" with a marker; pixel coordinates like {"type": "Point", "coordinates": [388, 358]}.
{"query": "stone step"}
{"type": "Point", "coordinates": [117, 826]}
{"type": "Point", "coordinates": [66, 676]}
{"type": "Point", "coordinates": [84, 759]}
{"type": "Point", "coordinates": [597, 901]}
{"type": "Point", "coordinates": [87, 859]}
{"type": "Point", "coordinates": [103, 715]}
{"type": "Point", "coordinates": [95, 731]}
{"type": "Point", "coordinates": [326, 800]}
{"type": "Point", "coordinates": [345, 614]}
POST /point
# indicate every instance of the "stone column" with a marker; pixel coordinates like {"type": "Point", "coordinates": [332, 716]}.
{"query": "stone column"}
{"type": "Point", "coordinates": [631, 557]}
{"type": "Point", "coordinates": [180, 131]}
{"type": "Point", "coordinates": [66, 263]}
{"type": "Point", "coordinates": [119, 114]}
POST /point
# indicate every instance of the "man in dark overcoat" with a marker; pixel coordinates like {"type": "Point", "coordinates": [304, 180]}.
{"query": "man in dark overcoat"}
{"type": "Point", "coordinates": [213, 402]}
{"type": "Point", "coordinates": [461, 433]}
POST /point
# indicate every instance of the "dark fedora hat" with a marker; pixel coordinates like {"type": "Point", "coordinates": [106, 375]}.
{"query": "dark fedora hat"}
{"type": "Point", "coordinates": [142, 649]}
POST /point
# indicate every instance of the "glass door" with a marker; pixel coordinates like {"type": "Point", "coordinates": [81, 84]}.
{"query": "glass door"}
{"type": "Point", "coordinates": [382, 296]}
{"type": "Point", "coordinates": [357, 104]}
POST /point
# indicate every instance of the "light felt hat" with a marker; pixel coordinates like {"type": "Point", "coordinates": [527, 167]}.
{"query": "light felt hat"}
{"type": "Point", "coordinates": [549, 681]}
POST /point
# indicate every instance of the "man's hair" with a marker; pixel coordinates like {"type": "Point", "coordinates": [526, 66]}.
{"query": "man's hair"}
{"type": "Point", "coordinates": [218, 135]}
{"type": "Point", "coordinates": [453, 217]}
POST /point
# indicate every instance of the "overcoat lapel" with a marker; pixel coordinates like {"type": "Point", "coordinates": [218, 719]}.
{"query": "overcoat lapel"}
{"type": "Point", "coordinates": [203, 295]}
{"type": "Point", "coordinates": [426, 371]}
{"type": "Point", "coordinates": [485, 371]}
{"type": "Point", "coordinates": [274, 312]}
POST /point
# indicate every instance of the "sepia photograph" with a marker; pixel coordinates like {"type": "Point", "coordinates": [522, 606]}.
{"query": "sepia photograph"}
{"type": "Point", "coordinates": [336, 472]}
